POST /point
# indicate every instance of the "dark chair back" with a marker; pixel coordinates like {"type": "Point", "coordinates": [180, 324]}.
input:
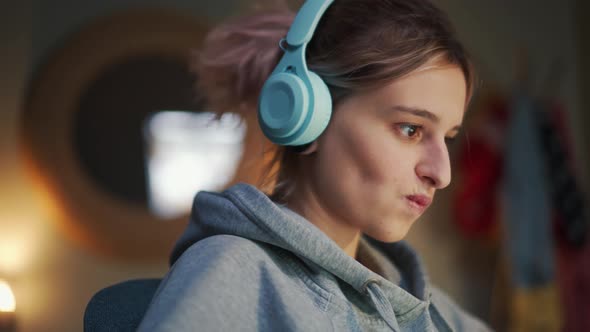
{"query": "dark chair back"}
{"type": "Point", "coordinates": [120, 307]}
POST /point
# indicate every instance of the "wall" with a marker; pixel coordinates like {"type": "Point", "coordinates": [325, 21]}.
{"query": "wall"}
{"type": "Point", "coordinates": [54, 20]}
{"type": "Point", "coordinates": [495, 32]}
{"type": "Point", "coordinates": [53, 279]}
{"type": "Point", "coordinates": [582, 8]}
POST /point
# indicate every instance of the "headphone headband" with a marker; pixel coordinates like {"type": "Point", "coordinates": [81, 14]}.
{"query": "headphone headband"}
{"type": "Point", "coordinates": [306, 21]}
{"type": "Point", "coordinates": [295, 104]}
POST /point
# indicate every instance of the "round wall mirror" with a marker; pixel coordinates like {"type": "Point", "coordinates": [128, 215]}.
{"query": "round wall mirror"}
{"type": "Point", "coordinates": [84, 137]}
{"type": "Point", "coordinates": [108, 124]}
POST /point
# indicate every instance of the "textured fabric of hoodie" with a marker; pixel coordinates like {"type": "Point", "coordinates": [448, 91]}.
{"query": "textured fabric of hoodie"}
{"type": "Point", "coordinates": [245, 263]}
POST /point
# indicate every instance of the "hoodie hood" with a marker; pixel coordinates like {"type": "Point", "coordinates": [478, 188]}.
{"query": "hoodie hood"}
{"type": "Point", "coordinates": [244, 211]}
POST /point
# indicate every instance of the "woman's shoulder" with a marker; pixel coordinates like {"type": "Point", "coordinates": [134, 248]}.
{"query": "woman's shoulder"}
{"type": "Point", "coordinates": [236, 262]}
{"type": "Point", "coordinates": [233, 251]}
{"type": "Point", "coordinates": [237, 259]}
{"type": "Point", "coordinates": [227, 282]}
{"type": "Point", "coordinates": [453, 314]}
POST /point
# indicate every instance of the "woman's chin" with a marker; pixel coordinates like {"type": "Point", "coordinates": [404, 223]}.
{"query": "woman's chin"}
{"type": "Point", "coordinates": [390, 235]}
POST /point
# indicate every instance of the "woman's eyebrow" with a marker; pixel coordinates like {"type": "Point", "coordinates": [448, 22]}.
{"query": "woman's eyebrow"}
{"type": "Point", "coordinates": [421, 113]}
{"type": "Point", "coordinates": [417, 112]}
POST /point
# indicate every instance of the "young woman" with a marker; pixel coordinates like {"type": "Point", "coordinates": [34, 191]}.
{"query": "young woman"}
{"type": "Point", "coordinates": [296, 259]}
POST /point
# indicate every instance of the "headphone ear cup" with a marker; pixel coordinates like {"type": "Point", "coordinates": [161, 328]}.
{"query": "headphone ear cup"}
{"type": "Point", "coordinates": [283, 107]}
{"type": "Point", "coordinates": [290, 112]}
{"type": "Point", "coordinates": [320, 112]}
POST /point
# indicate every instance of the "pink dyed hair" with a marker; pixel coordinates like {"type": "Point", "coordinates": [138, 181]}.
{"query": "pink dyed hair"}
{"type": "Point", "coordinates": [237, 57]}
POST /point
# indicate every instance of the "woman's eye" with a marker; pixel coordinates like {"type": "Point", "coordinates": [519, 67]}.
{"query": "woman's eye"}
{"type": "Point", "coordinates": [410, 130]}
{"type": "Point", "coordinates": [450, 140]}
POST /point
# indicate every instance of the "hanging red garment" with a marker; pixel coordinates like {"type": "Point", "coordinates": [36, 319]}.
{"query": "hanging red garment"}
{"type": "Point", "coordinates": [475, 205]}
{"type": "Point", "coordinates": [573, 277]}
{"type": "Point", "coordinates": [572, 250]}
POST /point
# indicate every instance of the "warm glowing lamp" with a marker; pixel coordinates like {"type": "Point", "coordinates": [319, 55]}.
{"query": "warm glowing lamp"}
{"type": "Point", "coordinates": [7, 308]}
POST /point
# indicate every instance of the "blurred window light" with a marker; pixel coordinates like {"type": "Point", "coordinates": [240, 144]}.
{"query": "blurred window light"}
{"type": "Point", "coordinates": [188, 152]}
{"type": "Point", "coordinates": [7, 302]}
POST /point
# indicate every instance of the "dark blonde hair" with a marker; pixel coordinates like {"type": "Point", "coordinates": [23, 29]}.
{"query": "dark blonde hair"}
{"type": "Point", "coordinates": [358, 45]}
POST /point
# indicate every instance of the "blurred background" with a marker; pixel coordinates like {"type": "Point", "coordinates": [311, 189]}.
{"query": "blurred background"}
{"type": "Point", "coordinates": [101, 135]}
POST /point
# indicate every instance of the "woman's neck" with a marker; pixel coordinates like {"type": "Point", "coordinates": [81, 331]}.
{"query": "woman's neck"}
{"type": "Point", "coordinates": [307, 204]}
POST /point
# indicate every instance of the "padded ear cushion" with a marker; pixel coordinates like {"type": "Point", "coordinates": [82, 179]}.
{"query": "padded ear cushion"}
{"type": "Point", "coordinates": [290, 113]}
{"type": "Point", "coordinates": [319, 115]}
{"type": "Point", "coordinates": [283, 107]}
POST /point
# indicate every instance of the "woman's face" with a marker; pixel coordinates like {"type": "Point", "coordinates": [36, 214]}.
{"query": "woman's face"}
{"type": "Point", "coordinates": [379, 163]}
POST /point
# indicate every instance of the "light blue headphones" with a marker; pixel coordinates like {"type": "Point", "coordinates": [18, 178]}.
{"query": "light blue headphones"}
{"type": "Point", "coordinates": [295, 104]}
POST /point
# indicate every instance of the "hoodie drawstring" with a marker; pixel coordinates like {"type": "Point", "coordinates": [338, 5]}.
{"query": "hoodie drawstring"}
{"type": "Point", "coordinates": [382, 305]}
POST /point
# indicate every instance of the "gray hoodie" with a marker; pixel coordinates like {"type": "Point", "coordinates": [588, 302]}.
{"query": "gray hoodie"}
{"type": "Point", "coordinates": [245, 263]}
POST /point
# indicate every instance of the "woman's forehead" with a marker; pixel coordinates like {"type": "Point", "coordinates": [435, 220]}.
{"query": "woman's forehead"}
{"type": "Point", "coordinates": [435, 90]}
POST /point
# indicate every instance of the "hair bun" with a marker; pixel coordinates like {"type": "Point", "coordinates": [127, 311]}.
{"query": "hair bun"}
{"type": "Point", "coordinates": [237, 57]}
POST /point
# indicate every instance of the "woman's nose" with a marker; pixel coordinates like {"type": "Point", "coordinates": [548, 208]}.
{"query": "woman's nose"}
{"type": "Point", "coordinates": [434, 166]}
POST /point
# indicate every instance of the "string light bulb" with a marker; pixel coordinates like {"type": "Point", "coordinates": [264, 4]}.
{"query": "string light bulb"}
{"type": "Point", "coordinates": [7, 308]}
{"type": "Point", "coordinates": [7, 302]}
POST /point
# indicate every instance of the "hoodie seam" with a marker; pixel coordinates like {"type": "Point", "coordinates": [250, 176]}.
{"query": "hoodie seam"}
{"type": "Point", "coordinates": [248, 214]}
{"type": "Point", "coordinates": [412, 313]}
{"type": "Point", "coordinates": [440, 318]}
{"type": "Point", "coordinates": [372, 318]}
{"type": "Point", "coordinates": [308, 281]}
{"type": "Point", "coordinates": [327, 296]}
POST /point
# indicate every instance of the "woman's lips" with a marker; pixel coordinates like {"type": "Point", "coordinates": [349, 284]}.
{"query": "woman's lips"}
{"type": "Point", "coordinates": [419, 202]}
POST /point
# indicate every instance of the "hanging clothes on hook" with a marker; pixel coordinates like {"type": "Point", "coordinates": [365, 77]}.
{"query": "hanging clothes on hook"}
{"type": "Point", "coordinates": [527, 222]}
{"type": "Point", "coordinates": [527, 198]}
{"type": "Point", "coordinates": [480, 159]}
{"type": "Point", "coordinates": [569, 215]}
{"type": "Point", "coordinates": [566, 197]}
